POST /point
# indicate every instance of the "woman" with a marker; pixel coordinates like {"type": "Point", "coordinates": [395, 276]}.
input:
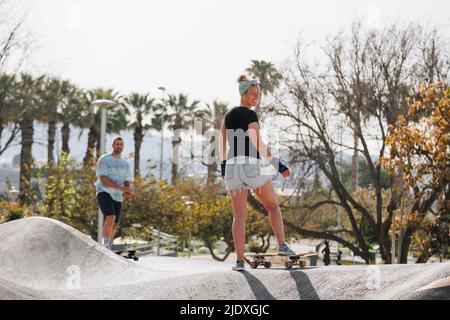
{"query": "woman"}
{"type": "Point", "coordinates": [241, 168]}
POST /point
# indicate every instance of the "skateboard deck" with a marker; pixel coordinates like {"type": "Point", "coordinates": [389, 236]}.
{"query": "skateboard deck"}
{"type": "Point", "coordinates": [128, 254]}
{"type": "Point", "coordinates": [263, 259]}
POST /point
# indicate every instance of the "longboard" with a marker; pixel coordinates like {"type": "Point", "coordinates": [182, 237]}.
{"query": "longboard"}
{"type": "Point", "coordinates": [258, 259]}
{"type": "Point", "coordinates": [128, 254]}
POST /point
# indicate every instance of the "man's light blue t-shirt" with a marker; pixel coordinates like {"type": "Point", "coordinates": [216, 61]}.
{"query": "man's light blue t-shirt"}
{"type": "Point", "coordinates": [118, 170]}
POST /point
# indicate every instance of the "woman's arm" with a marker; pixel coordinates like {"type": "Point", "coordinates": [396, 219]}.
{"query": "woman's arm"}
{"type": "Point", "coordinates": [255, 138]}
{"type": "Point", "coordinates": [223, 143]}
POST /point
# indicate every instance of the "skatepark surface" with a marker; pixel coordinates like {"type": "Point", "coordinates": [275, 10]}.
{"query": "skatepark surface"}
{"type": "Point", "coordinates": [46, 259]}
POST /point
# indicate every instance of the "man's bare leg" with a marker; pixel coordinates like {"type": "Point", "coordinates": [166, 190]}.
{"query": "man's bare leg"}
{"type": "Point", "coordinates": [108, 229]}
{"type": "Point", "coordinates": [113, 233]}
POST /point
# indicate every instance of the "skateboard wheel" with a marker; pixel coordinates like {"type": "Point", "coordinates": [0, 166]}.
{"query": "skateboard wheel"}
{"type": "Point", "coordinates": [288, 264]}
{"type": "Point", "coordinates": [136, 258]}
{"type": "Point", "coordinates": [267, 264]}
{"type": "Point", "coordinates": [302, 264]}
{"type": "Point", "coordinates": [254, 265]}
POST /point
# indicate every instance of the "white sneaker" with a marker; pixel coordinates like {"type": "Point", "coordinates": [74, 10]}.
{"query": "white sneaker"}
{"type": "Point", "coordinates": [240, 266]}
{"type": "Point", "coordinates": [284, 250]}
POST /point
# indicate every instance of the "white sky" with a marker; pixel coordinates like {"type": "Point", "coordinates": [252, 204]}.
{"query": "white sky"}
{"type": "Point", "coordinates": [197, 47]}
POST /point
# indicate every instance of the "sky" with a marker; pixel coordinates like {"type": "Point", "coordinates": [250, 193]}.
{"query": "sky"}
{"type": "Point", "coordinates": [196, 47]}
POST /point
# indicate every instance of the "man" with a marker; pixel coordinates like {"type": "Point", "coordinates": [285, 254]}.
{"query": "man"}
{"type": "Point", "coordinates": [326, 253]}
{"type": "Point", "coordinates": [113, 183]}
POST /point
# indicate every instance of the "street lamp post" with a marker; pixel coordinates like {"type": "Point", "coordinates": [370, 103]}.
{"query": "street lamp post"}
{"type": "Point", "coordinates": [162, 136]}
{"type": "Point", "coordinates": [161, 160]}
{"type": "Point", "coordinates": [102, 104]}
{"type": "Point", "coordinates": [189, 203]}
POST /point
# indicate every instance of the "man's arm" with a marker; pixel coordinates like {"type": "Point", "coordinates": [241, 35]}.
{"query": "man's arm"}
{"type": "Point", "coordinates": [107, 182]}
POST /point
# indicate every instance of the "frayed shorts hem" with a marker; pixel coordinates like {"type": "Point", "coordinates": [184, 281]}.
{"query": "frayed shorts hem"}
{"type": "Point", "coordinates": [234, 190]}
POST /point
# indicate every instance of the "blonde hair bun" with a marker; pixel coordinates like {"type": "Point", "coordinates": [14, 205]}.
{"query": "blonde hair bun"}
{"type": "Point", "coordinates": [242, 77]}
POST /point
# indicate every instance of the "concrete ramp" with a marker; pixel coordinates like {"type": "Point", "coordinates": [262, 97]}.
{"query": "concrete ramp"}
{"type": "Point", "coordinates": [40, 258]}
{"type": "Point", "coordinates": [45, 254]}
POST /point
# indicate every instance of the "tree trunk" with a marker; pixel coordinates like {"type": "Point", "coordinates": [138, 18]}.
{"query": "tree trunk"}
{"type": "Point", "coordinates": [211, 177]}
{"type": "Point", "coordinates": [26, 160]}
{"type": "Point", "coordinates": [422, 208]}
{"type": "Point", "coordinates": [176, 144]}
{"type": "Point", "coordinates": [258, 106]}
{"type": "Point", "coordinates": [51, 143]}
{"type": "Point", "coordinates": [1, 129]}
{"type": "Point", "coordinates": [355, 163]}
{"type": "Point", "coordinates": [97, 147]}
{"type": "Point", "coordinates": [138, 138]}
{"type": "Point", "coordinates": [406, 244]}
{"type": "Point", "coordinates": [385, 244]}
{"type": "Point", "coordinates": [423, 258]}
{"type": "Point", "coordinates": [214, 256]}
{"type": "Point", "coordinates": [65, 135]}
{"type": "Point", "coordinates": [90, 147]}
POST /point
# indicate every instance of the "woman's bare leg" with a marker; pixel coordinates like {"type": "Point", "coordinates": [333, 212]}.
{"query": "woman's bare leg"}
{"type": "Point", "coordinates": [240, 213]}
{"type": "Point", "coordinates": [268, 198]}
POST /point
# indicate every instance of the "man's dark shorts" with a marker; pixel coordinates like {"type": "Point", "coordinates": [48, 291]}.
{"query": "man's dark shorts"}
{"type": "Point", "coordinates": [108, 206]}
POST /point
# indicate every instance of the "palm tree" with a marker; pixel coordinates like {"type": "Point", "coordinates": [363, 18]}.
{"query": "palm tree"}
{"type": "Point", "coordinates": [70, 112]}
{"type": "Point", "coordinates": [180, 116]}
{"type": "Point", "coordinates": [27, 100]}
{"type": "Point", "coordinates": [213, 117]}
{"type": "Point", "coordinates": [268, 77]}
{"type": "Point", "coordinates": [90, 119]}
{"type": "Point", "coordinates": [52, 94]}
{"type": "Point", "coordinates": [142, 106]}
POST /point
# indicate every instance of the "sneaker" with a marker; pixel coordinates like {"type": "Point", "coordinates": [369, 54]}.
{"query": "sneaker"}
{"type": "Point", "coordinates": [284, 250]}
{"type": "Point", "coordinates": [105, 242]}
{"type": "Point", "coordinates": [240, 266]}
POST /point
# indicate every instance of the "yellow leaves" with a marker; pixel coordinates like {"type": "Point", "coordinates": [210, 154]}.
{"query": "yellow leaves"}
{"type": "Point", "coordinates": [8, 207]}
{"type": "Point", "coordinates": [422, 137]}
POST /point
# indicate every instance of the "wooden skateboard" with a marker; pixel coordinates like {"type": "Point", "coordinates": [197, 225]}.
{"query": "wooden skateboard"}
{"type": "Point", "coordinates": [128, 254]}
{"type": "Point", "coordinates": [258, 259]}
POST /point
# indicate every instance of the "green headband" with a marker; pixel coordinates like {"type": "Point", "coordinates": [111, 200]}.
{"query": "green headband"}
{"type": "Point", "coordinates": [244, 85]}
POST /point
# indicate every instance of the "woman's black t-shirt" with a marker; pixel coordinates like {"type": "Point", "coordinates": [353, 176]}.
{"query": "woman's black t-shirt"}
{"type": "Point", "coordinates": [236, 123]}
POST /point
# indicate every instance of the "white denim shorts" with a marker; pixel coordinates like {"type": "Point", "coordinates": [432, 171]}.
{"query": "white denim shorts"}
{"type": "Point", "coordinates": [246, 173]}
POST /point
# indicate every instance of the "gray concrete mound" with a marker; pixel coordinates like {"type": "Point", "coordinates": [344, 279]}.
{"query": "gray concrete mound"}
{"type": "Point", "coordinates": [46, 259]}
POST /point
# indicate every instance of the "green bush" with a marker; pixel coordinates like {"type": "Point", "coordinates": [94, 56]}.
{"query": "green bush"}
{"type": "Point", "coordinates": [15, 214]}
